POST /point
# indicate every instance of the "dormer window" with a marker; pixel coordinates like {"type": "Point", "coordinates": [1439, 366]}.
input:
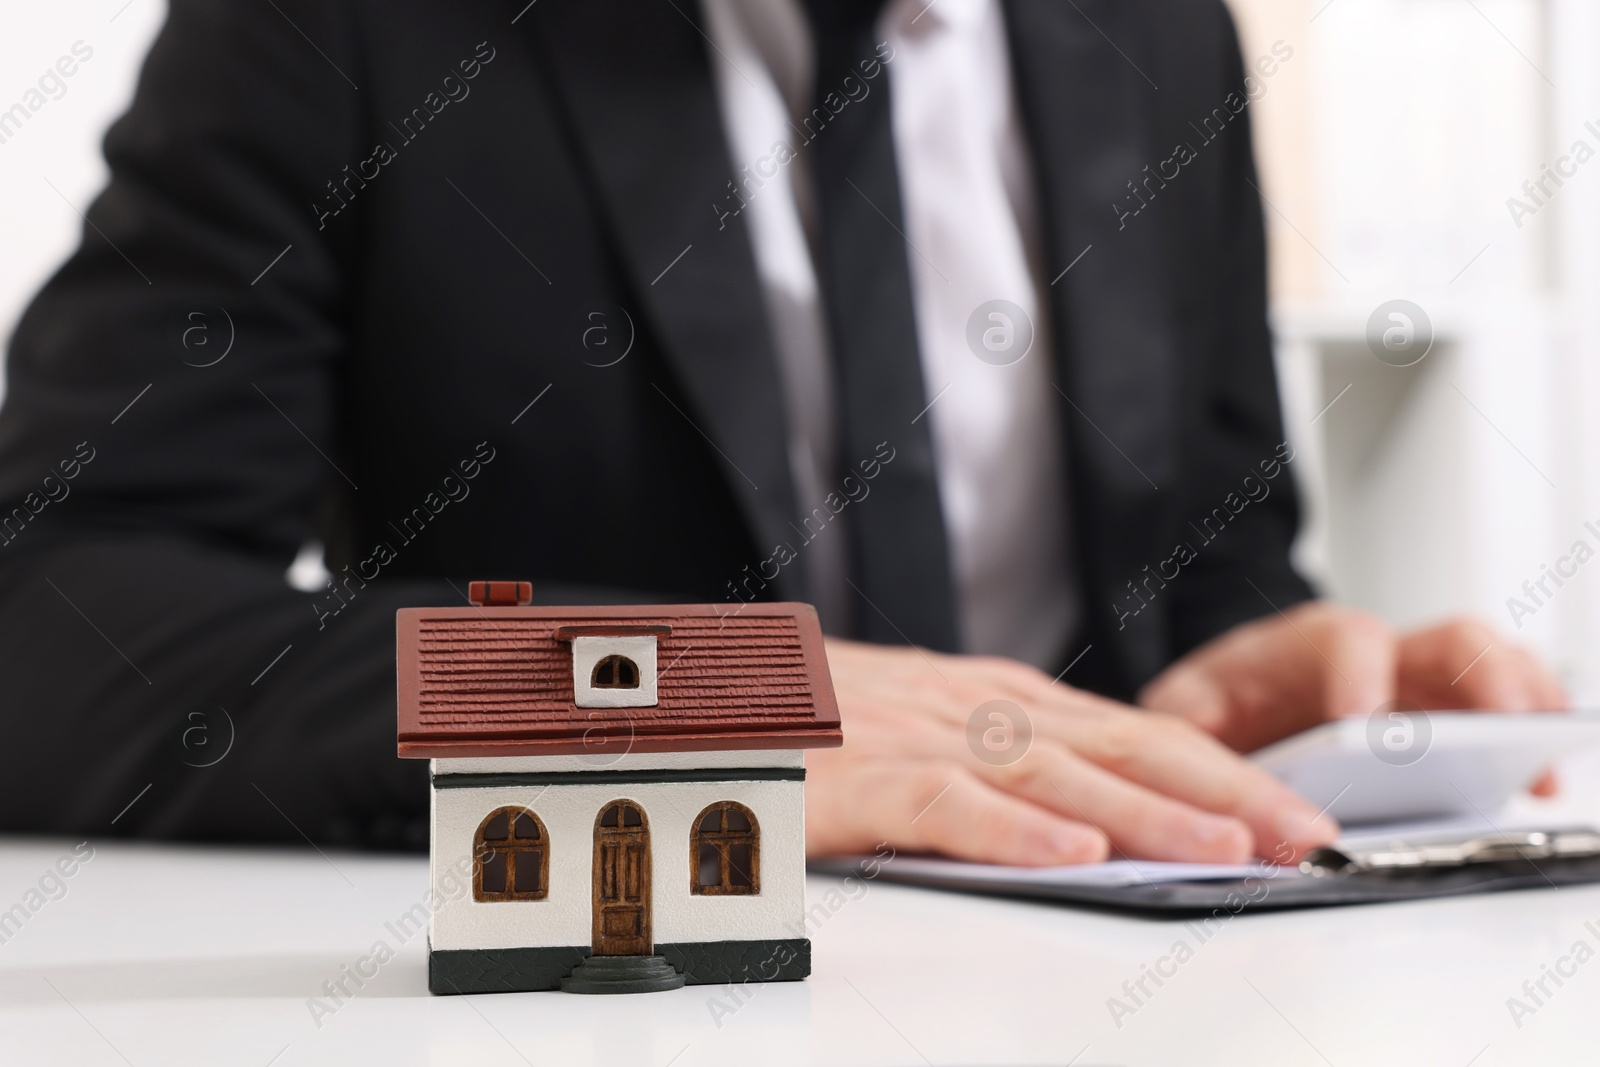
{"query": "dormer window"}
{"type": "Point", "coordinates": [613, 664]}
{"type": "Point", "coordinates": [615, 672]}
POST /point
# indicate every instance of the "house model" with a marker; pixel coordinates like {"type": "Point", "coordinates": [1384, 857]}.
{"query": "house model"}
{"type": "Point", "coordinates": [625, 786]}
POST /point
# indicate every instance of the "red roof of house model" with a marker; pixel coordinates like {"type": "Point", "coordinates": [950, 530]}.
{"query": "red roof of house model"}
{"type": "Point", "coordinates": [497, 681]}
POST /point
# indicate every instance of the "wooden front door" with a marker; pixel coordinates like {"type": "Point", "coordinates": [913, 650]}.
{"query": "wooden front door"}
{"type": "Point", "coordinates": [622, 881]}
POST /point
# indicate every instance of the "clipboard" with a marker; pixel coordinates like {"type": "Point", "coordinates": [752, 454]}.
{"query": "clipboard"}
{"type": "Point", "coordinates": [1370, 868]}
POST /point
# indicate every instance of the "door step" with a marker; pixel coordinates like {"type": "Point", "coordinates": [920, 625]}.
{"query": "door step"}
{"type": "Point", "coordinates": [622, 974]}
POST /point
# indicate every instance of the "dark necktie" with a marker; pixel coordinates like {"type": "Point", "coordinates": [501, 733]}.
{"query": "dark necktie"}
{"type": "Point", "coordinates": [900, 563]}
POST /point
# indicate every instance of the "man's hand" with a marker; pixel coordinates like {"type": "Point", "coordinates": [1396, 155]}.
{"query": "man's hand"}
{"type": "Point", "coordinates": [1283, 673]}
{"type": "Point", "coordinates": [1099, 779]}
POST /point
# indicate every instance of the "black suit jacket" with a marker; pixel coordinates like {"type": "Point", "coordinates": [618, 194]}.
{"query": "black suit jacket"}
{"type": "Point", "coordinates": [363, 273]}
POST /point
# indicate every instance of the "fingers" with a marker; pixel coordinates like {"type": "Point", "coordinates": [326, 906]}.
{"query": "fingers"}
{"type": "Point", "coordinates": [1167, 761]}
{"type": "Point", "coordinates": [1137, 818]}
{"type": "Point", "coordinates": [1139, 822]}
{"type": "Point", "coordinates": [1358, 654]}
{"type": "Point", "coordinates": [938, 806]}
{"type": "Point", "coordinates": [1167, 754]}
{"type": "Point", "coordinates": [1098, 773]}
{"type": "Point", "coordinates": [1454, 665]}
{"type": "Point", "coordinates": [1050, 777]}
{"type": "Point", "coordinates": [1464, 664]}
{"type": "Point", "coordinates": [1499, 680]}
{"type": "Point", "coordinates": [1548, 692]}
{"type": "Point", "coordinates": [1188, 690]}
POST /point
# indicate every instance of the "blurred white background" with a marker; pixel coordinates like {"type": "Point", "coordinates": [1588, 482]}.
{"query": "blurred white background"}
{"type": "Point", "coordinates": [1390, 142]}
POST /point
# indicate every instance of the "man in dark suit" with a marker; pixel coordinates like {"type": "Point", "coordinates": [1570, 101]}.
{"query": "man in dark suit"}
{"type": "Point", "coordinates": [486, 290]}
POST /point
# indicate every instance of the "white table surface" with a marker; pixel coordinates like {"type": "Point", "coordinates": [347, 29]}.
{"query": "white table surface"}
{"type": "Point", "coordinates": [192, 955]}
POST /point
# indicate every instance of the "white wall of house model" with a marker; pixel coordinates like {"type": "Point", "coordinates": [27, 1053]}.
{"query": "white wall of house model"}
{"type": "Point", "coordinates": [569, 812]}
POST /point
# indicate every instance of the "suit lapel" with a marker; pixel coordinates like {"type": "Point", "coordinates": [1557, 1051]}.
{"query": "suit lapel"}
{"type": "Point", "coordinates": [636, 82]}
{"type": "Point", "coordinates": [1086, 108]}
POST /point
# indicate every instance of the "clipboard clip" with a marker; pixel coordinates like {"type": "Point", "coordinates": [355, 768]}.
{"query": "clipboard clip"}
{"type": "Point", "coordinates": [1400, 857]}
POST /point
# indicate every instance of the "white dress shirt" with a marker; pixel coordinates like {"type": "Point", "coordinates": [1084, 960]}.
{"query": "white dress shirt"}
{"type": "Point", "coordinates": [970, 217]}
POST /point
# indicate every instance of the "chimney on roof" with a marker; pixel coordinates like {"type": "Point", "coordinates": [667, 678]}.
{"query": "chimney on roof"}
{"type": "Point", "coordinates": [500, 594]}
